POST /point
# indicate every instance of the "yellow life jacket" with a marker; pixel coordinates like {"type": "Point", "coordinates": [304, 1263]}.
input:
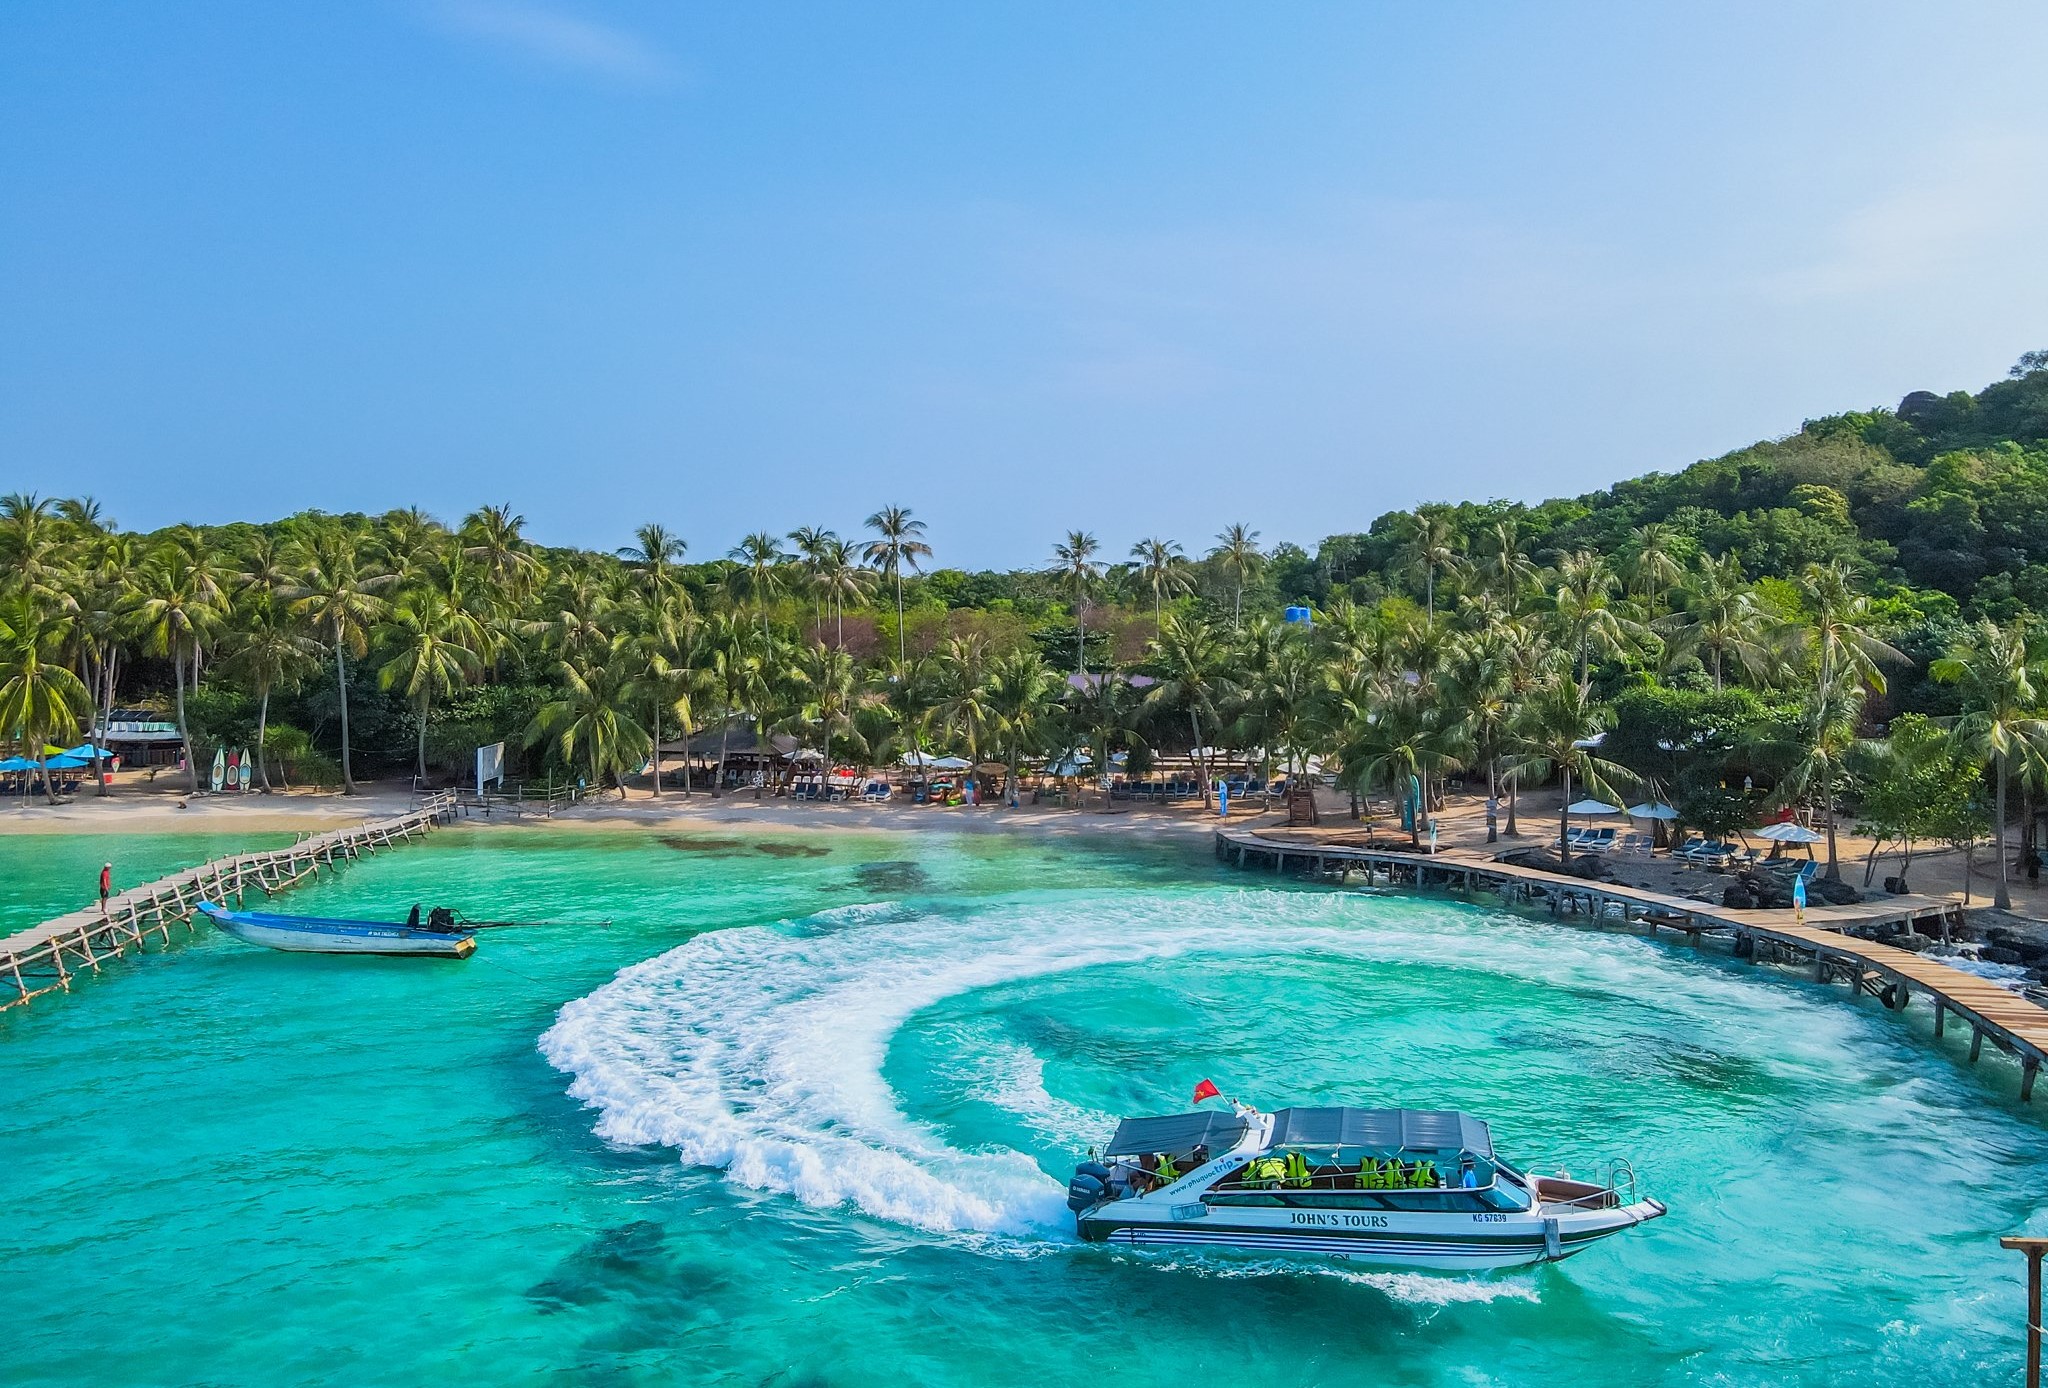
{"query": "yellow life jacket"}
{"type": "Point", "coordinates": [1425, 1175]}
{"type": "Point", "coordinates": [1168, 1173]}
{"type": "Point", "coordinates": [1297, 1170]}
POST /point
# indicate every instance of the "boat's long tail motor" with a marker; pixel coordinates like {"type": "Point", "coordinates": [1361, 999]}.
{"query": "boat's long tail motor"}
{"type": "Point", "coordinates": [1089, 1187]}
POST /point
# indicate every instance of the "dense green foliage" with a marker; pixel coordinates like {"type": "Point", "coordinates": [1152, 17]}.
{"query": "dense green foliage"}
{"type": "Point", "coordinates": [1733, 637]}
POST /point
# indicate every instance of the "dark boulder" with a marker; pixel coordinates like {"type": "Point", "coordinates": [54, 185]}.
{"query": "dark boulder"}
{"type": "Point", "coordinates": [1738, 898]}
{"type": "Point", "coordinates": [1999, 954]}
{"type": "Point", "coordinates": [1834, 893]}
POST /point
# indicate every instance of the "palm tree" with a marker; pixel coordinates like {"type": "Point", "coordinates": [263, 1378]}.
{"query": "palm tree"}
{"type": "Point", "coordinates": [41, 697]}
{"type": "Point", "coordinates": [270, 654]}
{"type": "Point", "coordinates": [1582, 606]}
{"type": "Point", "coordinates": [1194, 662]}
{"type": "Point", "coordinates": [1840, 637]}
{"type": "Point", "coordinates": [493, 537]}
{"type": "Point", "coordinates": [178, 608]}
{"type": "Point", "coordinates": [1817, 748]}
{"type": "Point", "coordinates": [761, 559]}
{"type": "Point", "coordinates": [1165, 571]}
{"type": "Point", "coordinates": [814, 545]}
{"type": "Point", "coordinates": [1719, 614]}
{"type": "Point", "coordinates": [655, 554]}
{"type": "Point", "coordinates": [2000, 675]}
{"type": "Point", "coordinates": [1429, 547]}
{"type": "Point", "coordinates": [1558, 732]}
{"type": "Point", "coordinates": [1505, 568]}
{"type": "Point", "coordinates": [1023, 700]}
{"type": "Point", "coordinates": [338, 598]}
{"type": "Point", "coordinates": [837, 579]}
{"type": "Point", "coordinates": [1237, 554]}
{"type": "Point", "coordinates": [1074, 561]}
{"type": "Point", "coordinates": [898, 545]}
{"type": "Point", "coordinates": [432, 653]}
{"type": "Point", "coordinates": [737, 669]}
{"type": "Point", "coordinates": [1654, 568]}
{"type": "Point", "coordinates": [831, 684]}
{"type": "Point", "coordinates": [592, 718]}
{"type": "Point", "coordinates": [1108, 713]}
{"type": "Point", "coordinates": [1397, 740]}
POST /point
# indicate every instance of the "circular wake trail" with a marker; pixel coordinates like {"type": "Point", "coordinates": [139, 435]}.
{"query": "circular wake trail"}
{"type": "Point", "coordinates": [759, 1051]}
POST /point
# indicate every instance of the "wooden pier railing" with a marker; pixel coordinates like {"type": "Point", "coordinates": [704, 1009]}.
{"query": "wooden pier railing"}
{"type": "Point", "coordinates": [46, 958]}
{"type": "Point", "coordinates": [2010, 1022]}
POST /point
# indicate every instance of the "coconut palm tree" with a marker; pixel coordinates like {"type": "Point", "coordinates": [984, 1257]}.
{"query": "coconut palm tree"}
{"type": "Point", "coordinates": [1075, 563]}
{"type": "Point", "coordinates": [1023, 701]}
{"type": "Point", "coordinates": [1718, 614]}
{"type": "Point", "coordinates": [590, 722]}
{"type": "Point", "coordinates": [269, 653]}
{"type": "Point", "coordinates": [1582, 608]}
{"type": "Point", "coordinates": [1164, 570]}
{"type": "Point", "coordinates": [1654, 567]}
{"type": "Point", "coordinates": [898, 546]}
{"type": "Point", "coordinates": [494, 537]}
{"type": "Point", "coordinates": [760, 558]}
{"type": "Point", "coordinates": [837, 580]}
{"type": "Point", "coordinates": [1816, 749]}
{"type": "Point", "coordinates": [338, 597]}
{"type": "Point", "coordinates": [1508, 572]}
{"type": "Point", "coordinates": [2000, 674]}
{"type": "Point", "coordinates": [1558, 732]}
{"type": "Point", "coordinates": [41, 697]}
{"type": "Point", "coordinates": [178, 607]}
{"type": "Point", "coordinates": [432, 654]}
{"type": "Point", "coordinates": [1429, 546]}
{"type": "Point", "coordinates": [1397, 740]}
{"type": "Point", "coordinates": [1840, 637]}
{"type": "Point", "coordinates": [1195, 682]}
{"type": "Point", "coordinates": [654, 556]}
{"type": "Point", "coordinates": [737, 669]}
{"type": "Point", "coordinates": [1237, 553]}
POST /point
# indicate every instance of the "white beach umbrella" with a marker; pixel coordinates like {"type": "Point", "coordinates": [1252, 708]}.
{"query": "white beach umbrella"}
{"type": "Point", "coordinates": [1788, 832]}
{"type": "Point", "coordinates": [1657, 811]}
{"type": "Point", "coordinates": [1592, 807]}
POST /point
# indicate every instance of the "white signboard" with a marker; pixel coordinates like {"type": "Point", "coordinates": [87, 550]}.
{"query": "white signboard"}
{"type": "Point", "coordinates": [490, 765]}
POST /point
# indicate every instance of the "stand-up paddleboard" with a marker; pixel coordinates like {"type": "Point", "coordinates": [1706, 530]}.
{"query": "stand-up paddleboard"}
{"type": "Point", "coordinates": [248, 770]}
{"type": "Point", "coordinates": [220, 767]}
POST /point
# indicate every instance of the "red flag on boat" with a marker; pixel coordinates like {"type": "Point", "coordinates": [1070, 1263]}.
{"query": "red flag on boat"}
{"type": "Point", "coordinates": [1206, 1090]}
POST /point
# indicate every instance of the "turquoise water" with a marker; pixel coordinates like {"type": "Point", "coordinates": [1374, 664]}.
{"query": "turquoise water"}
{"type": "Point", "coordinates": [817, 1132]}
{"type": "Point", "coordinates": [46, 875]}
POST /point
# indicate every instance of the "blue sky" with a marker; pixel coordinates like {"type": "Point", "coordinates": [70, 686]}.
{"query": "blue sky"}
{"type": "Point", "coordinates": [1022, 267]}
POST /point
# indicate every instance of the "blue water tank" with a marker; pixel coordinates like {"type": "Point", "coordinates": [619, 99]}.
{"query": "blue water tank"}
{"type": "Point", "coordinates": [1296, 614]}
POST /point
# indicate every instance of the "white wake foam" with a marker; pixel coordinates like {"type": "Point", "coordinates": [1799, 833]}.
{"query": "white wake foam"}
{"type": "Point", "coordinates": [759, 1050]}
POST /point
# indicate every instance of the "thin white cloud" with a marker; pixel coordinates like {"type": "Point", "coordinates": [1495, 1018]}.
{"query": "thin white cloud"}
{"type": "Point", "coordinates": [547, 34]}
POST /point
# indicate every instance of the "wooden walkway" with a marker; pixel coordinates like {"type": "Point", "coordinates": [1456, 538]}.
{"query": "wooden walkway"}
{"type": "Point", "coordinates": [1895, 976]}
{"type": "Point", "coordinates": [45, 958]}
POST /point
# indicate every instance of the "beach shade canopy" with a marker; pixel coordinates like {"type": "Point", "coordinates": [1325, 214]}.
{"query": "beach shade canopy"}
{"type": "Point", "coordinates": [807, 754]}
{"type": "Point", "coordinates": [1592, 807]}
{"type": "Point", "coordinates": [66, 762]}
{"type": "Point", "coordinates": [17, 764]}
{"type": "Point", "coordinates": [1659, 811]}
{"type": "Point", "coordinates": [1069, 766]}
{"type": "Point", "coordinates": [938, 763]}
{"type": "Point", "coordinates": [86, 750]}
{"type": "Point", "coordinates": [1787, 832]}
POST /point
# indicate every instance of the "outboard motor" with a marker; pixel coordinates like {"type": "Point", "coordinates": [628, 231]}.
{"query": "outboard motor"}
{"type": "Point", "coordinates": [1089, 1187]}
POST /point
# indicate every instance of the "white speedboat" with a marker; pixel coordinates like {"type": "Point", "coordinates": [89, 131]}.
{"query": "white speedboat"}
{"type": "Point", "coordinates": [1398, 1187]}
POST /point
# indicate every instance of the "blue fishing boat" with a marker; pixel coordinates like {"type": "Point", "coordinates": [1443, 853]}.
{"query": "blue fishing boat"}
{"type": "Point", "coordinates": [318, 935]}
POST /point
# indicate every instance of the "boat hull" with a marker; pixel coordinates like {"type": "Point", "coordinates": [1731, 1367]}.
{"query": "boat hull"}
{"type": "Point", "coordinates": [312, 935]}
{"type": "Point", "coordinates": [1448, 1242]}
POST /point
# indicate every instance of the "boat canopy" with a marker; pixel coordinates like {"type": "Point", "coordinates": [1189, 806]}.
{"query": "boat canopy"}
{"type": "Point", "coordinates": [1409, 1129]}
{"type": "Point", "coordinates": [1176, 1134]}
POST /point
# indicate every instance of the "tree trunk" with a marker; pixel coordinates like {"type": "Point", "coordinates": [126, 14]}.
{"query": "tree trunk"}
{"type": "Point", "coordinates": [348, 783]}
{"type": "Point", "coordinates": [420, 768]}
{"type": "Point", "coordinates": [1492, 799]}
{"type": "Point", "coordinates": [657, 746]}
{"type": "Point", "coordinates": [262, 731]}
{"type": "Point", "coordinates": [1834, 872]}
{"type": "Point", "coordinates": [107, 707]}
{"type": "Point", "coordinates": [1195, 754]}
{"type": "Point", "coordinates": [184, 732]}
{"type": "Point", "coordinates": [902, 649]}
{"type": "Point", "coordinates": [718, 776]}
{"type": "Point", "coordinates": [1514, 829]}
{"type": "Point", "coordinates": [1564, 819]}
{"type": "Point", "coordinates": [43, 765]}
{"type": "Point", "coordinates": [2003, 901]}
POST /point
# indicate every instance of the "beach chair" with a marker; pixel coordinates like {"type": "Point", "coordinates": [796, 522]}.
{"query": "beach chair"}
{"type": "Point", "coordinates": [875, 793]}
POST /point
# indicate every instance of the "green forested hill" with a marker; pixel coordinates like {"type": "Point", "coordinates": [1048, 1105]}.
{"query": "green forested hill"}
{"type": "Point", "coordinates": [1943, 495]}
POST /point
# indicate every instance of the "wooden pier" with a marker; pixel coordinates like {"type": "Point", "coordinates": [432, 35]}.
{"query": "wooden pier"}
{"type": "Point", "coordinates": [1895, 976]}
{"type": "Point", "coordinates": [46, 958]}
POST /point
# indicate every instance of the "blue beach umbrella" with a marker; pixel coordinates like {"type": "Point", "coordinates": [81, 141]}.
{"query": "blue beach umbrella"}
{"type": "Point", "coordinates": [17, 764]}
{"type": "Point", "coordinates": [67, 762]}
